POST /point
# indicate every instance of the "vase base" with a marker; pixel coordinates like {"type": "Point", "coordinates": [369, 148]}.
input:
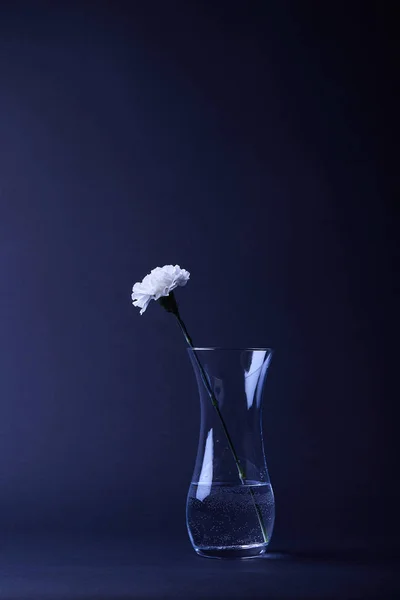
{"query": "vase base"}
{"type": "Point", "coordinates": [232, 552]}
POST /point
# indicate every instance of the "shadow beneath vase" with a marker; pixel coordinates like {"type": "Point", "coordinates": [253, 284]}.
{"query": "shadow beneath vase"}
{"type": "Point", "coordinates": [355, 556]}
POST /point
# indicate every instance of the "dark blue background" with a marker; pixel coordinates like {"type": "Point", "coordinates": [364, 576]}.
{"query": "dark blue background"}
{"type": "Point", "coordinates": [253, 145]}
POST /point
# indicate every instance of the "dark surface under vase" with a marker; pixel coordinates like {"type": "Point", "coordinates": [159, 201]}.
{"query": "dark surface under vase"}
{"type": "Point", "coordinates": [84, 567]}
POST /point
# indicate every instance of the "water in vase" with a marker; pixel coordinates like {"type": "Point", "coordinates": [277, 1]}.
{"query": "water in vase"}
{"type": "Point", "coordinates": [222, 516]}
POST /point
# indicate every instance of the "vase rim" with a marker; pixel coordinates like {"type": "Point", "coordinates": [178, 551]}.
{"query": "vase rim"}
{"type": "Point", "coordinates": [209, 348]}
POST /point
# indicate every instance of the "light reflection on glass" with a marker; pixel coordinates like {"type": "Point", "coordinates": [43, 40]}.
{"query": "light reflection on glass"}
{"type": "Point", "coordinates": [252, 375]}
{"type": "Point", "coordinates": [206, 474]}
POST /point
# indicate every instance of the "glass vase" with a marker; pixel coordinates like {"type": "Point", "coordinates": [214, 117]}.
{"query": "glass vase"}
{"type": "Point", "coordinates": [230, 506]}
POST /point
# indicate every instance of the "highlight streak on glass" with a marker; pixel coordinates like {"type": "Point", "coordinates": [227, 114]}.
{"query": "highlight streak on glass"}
{"type": "Point", "coordinates": [206, 474]}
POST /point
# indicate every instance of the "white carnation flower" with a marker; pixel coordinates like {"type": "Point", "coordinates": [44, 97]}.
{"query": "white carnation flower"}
{"type": "Point", "coordinates": [160, 282]}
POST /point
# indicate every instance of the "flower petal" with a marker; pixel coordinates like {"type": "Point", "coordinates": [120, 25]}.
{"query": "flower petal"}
{"type": "Point", "coordinates": [161, 281]}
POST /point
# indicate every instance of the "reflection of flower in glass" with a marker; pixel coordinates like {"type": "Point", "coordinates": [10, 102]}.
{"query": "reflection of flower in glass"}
{"type": "Point", "coordinates": [160, 282]}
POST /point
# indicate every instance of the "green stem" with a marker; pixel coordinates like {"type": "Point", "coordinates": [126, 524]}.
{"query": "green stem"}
{"type": "Point", "coordinates": [224, 427]}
